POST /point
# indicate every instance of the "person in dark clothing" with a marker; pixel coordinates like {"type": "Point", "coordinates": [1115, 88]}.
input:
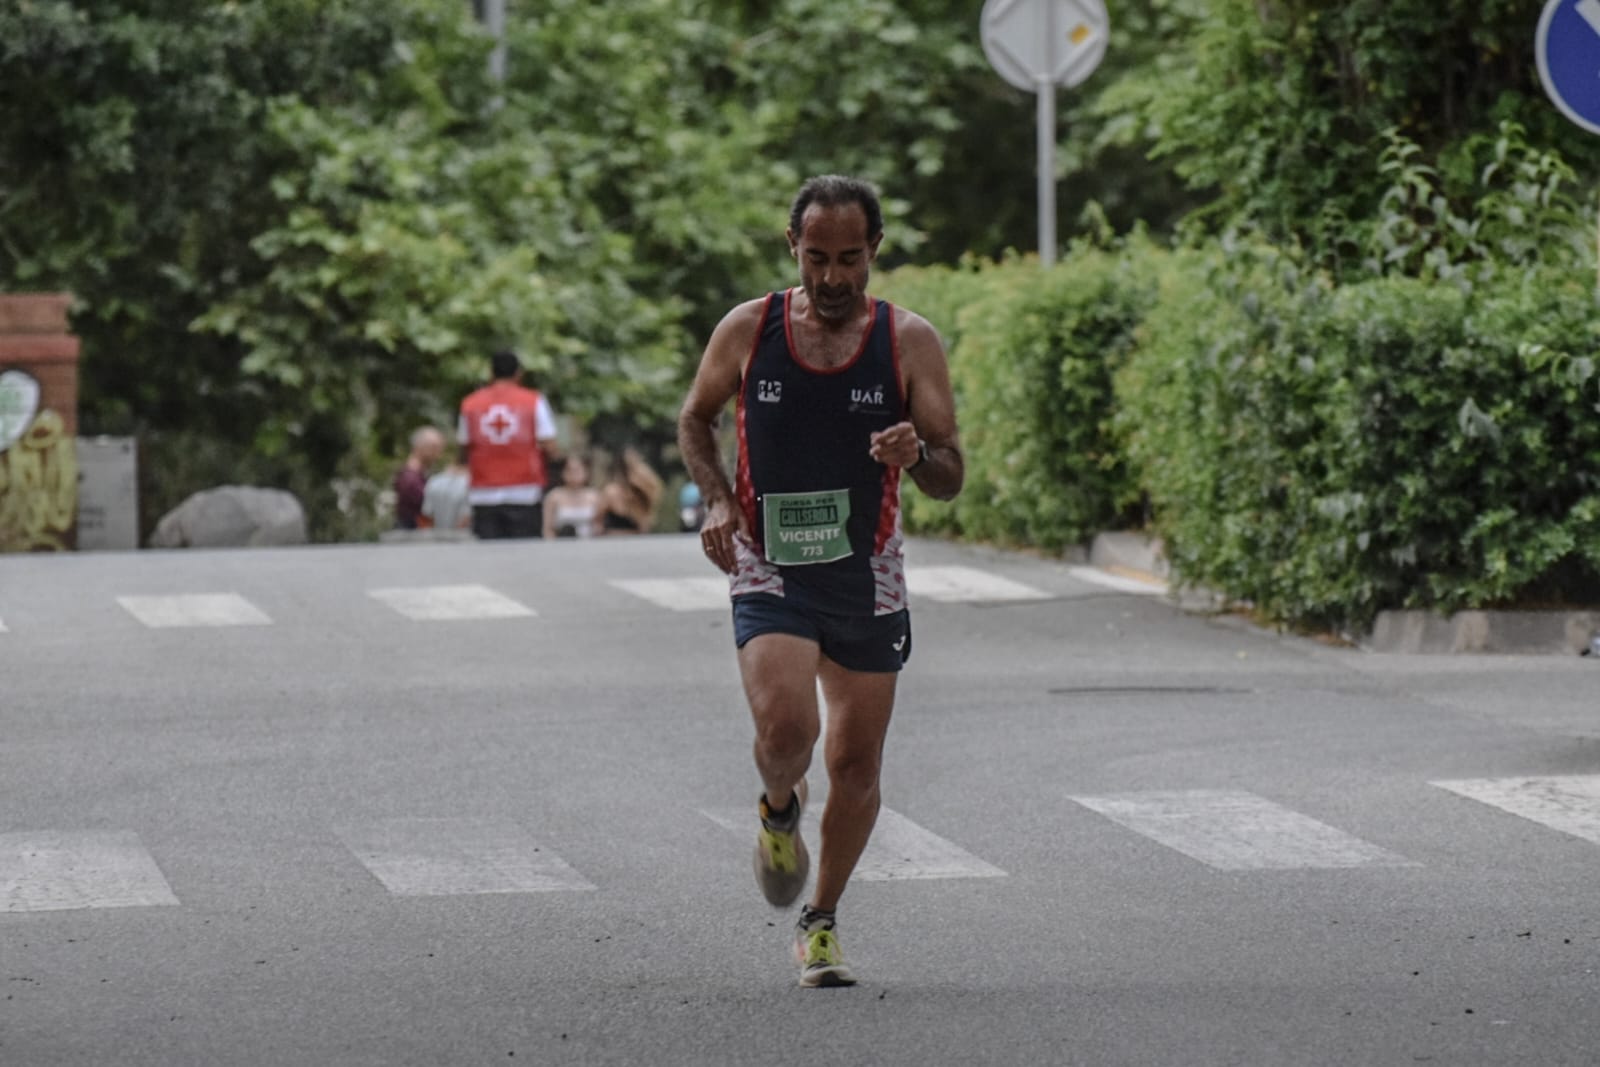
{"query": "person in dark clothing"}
{"type": "Point", "coordinates": [629, 499]}
{"type": "Point", "coordinates": [839, 396]}
{"type": "Point", "coordinates": [427, 445]}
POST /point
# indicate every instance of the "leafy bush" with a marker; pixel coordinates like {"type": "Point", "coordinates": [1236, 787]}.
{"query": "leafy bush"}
{"type": "Point", "coordinates": [941, 295]}
{"type": "Point", "coordinates": [1032, 357]}
{"type": "Point", "coordinates": [1330, 452]}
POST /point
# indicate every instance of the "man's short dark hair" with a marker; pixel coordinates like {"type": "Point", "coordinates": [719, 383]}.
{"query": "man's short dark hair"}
{"type": "Point", "coordinates": [505, 364]}
{"type": "Point", "coordinates": [833, 190]}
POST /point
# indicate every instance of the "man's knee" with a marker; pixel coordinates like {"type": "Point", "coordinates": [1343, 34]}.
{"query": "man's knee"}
{"type": "Point", "coordinates": [784, 736]}
{"type": "Point", "coordinates": [854, 772]}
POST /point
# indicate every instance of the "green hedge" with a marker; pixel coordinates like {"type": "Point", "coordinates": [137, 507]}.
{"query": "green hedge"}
{"type": "Point", "coordinates": [1327, 453]}
{"type": "Point", "coordinates": [1322, 451]}
{"type": "Point", "coordinates": [1032, 358]}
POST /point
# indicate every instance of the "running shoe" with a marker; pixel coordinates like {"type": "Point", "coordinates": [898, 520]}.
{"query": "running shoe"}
{"type": "Point", "coordinates": [816, 947]}
{"type": "Point", "coordinates": [782, 861]}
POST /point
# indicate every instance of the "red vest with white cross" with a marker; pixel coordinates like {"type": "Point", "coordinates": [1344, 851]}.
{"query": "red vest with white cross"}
{"type": "Point", "coordinates": [499, 422]}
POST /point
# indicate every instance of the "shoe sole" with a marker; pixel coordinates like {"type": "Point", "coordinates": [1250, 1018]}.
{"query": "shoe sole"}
{"type": "Point", "coordinates": [827, 978]}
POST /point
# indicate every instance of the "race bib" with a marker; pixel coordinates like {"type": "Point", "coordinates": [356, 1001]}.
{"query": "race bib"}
{"type": "Point", "coordinates": [803, 528]}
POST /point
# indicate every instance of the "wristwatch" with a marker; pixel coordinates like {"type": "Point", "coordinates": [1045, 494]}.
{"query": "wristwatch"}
{"type": "Point", "coordinates": [922, 454]}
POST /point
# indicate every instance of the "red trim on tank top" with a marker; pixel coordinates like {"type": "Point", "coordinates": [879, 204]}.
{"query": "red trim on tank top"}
{"type": "Point", "coordinates": [744, 492]}
{"type": "Point", "coordinates": [889, 511]}
{"type": "Point", "coordinates": [894, 351]}
{"type": "Point", "coordinates": [866, 336]}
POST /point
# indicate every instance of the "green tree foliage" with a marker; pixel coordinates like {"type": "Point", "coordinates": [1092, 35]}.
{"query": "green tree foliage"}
{"type": "Point", "coordinates": [295, 226]}
{"type": "Point", "coordinates": [1283, 106]}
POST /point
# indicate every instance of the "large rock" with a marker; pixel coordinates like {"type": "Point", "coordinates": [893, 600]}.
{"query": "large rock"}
{"type": "Point", "coordinates": [232, 516]}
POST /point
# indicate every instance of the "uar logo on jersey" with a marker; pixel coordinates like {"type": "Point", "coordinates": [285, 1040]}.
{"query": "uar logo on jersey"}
{"type": "Point", "coordinates": [868, 401]}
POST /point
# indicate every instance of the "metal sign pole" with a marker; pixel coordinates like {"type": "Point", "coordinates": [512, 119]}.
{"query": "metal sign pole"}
{"type": "Point", "coordinates": [1047, 172]}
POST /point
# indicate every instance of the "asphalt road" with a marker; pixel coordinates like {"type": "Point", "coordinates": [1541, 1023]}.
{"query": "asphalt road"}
{"type": "Point", "coordinates": [475, 803]}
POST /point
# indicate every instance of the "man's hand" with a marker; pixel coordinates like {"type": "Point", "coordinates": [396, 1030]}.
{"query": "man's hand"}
{"type": "Point", "coordinates": [897, 446]}
{"type": "Point", "coordinates": [724, 520]}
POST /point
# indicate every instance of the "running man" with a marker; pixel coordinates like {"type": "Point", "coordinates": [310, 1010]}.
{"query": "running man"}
{"type": "Point", "coordinates": [838, 394]}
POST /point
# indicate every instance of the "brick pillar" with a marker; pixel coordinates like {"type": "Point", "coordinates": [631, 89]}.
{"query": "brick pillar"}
{"type": "Point", "coordinates": [38, 424]}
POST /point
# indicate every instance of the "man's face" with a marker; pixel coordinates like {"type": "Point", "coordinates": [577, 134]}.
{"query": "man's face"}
{"type": "Point", "coordinates": [430, 448]}
{"type": "Point", "coordinates": [835, 258]}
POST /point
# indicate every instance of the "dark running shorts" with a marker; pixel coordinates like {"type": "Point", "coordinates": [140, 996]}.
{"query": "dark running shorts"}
{"type": "Point", "coordinates": [877, 644]}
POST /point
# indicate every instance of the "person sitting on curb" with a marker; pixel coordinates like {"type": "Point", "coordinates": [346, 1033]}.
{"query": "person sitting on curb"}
{"type": "Point", "coordinates": [629, 500]}
{"type": "Point", "coordinates": [427, 445]}
{"type": "Point", "coordinates": [570, 508]}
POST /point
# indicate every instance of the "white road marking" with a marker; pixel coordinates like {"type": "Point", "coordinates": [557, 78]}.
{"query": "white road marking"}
{"type": "Point", "coordinates": [952, 584]}
{"type": "Point", "coordinates": [195, 609]}
{"type": "Point", "coordinates": [51, 871]}
{"type": "Point", "coordinates": [1232, 830]}
{"type": "Point", "coordinates": [898, 850]}
{"type": "Point", "coordinates": [1122, 584]}
{"type": "Point", "coordinates": [3, 627]}
{"type": "Point", "coordinates": [450, 603]}
{"type": "Point", "coordinates": [448, 857]}
{"type": "Point", "coordinates": [1568, 803]}
{"type": "Point", "coordinates": [679, 594]}
{"type": "Point", "coordinates": [948, 584]}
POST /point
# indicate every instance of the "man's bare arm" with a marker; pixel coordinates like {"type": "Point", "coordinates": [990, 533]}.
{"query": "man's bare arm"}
{"type": "Point", "coordinates": [932, 414]}
{"type": "Point", "coordinates": [715, 383]}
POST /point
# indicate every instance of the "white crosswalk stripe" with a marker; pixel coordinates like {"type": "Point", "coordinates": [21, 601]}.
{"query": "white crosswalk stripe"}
{"type": "Point", "coordinates": [1229, 830]}
{"type": "Point", "coordinates": [444, 603]}
{"type": "Point", "coordinates": [450, 603]}
{"type": "Point", "coordinates": [1569, 803]}
{"type": "Point", "coordinates": [55, 871]}
{"type": "Point", "coordinates": [423, 857]}
{"type": "Point", "coordinates": [194, 609]}
{"type": "Point", "coordinates": [1233, 830]}
{"type": "Point", "coordinates": [679, 594]}
{"type": "Point", "coordinates": [898, 850]}
{"type": "Point", "coordinates": [944, 584]}
{"type": "Point", "coordinates": [955, 584]}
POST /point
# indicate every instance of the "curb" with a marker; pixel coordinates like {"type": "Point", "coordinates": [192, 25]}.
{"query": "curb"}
{"type": "Point", "coordinates": [1527, 632]}
{"type": "Point", "coordinates": [1124, 551]}
{"type": "Point", "coordinates": [1560, 633]}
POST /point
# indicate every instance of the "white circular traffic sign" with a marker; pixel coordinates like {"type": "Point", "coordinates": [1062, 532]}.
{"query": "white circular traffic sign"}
{"type": "Point", "coordinates": [1032, 43]}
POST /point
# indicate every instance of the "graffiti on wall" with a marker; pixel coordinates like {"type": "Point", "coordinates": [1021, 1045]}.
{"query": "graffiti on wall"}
{"type": "Point", "coordinates": [38, 470]}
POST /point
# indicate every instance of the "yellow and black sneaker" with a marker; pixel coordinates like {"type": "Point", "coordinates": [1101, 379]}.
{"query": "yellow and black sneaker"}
{"type": "Point", "coordinates": [782, 861]}
{"type": "Point", "coordinates": [816, 946]}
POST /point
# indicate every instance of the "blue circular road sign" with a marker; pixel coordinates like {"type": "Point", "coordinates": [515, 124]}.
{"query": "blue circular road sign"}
{"type": "Point", "coordinates": [1568, 47]}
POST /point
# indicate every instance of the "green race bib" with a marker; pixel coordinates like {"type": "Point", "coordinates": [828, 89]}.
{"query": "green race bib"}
{"type": "Point", "coordinates": [805, 528]}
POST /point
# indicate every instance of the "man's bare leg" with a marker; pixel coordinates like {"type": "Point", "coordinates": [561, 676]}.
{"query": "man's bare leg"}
{"type": "Point", "coordinates": [859, 707]}
{"type": "Point", "coordinates": [780, 683]}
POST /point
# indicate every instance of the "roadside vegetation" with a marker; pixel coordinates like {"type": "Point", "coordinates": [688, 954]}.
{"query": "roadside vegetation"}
{"type": "Point", "coordinates": [1327, 323]}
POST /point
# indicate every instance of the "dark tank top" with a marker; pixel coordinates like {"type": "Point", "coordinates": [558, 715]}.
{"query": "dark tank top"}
{"type": "Point", "coordinates": [825, 515]}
